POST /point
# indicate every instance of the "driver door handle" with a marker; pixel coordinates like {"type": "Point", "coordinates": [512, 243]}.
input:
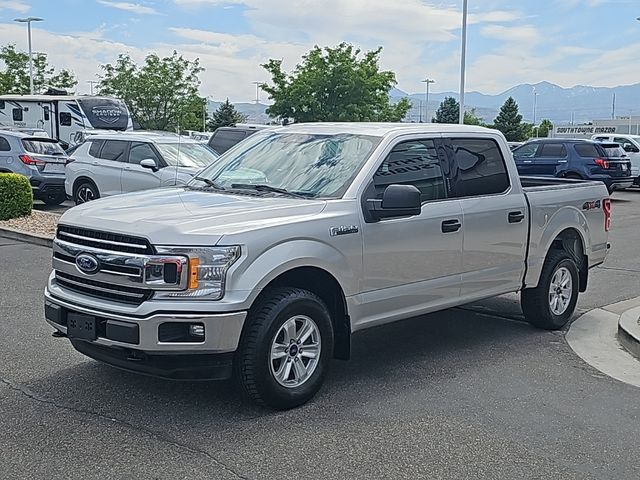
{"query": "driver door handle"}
{"type": "Point", "coordinates": [516, 217]}
{"type": "Point", "coordinates": [451, 226]}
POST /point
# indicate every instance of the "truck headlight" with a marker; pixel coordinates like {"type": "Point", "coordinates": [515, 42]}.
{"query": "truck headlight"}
{"type": "Point", "coordinates": [208, 268]}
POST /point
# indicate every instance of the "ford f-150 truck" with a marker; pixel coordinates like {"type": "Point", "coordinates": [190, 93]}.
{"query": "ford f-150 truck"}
{"type": "Point", "coordinates": [266, 264]}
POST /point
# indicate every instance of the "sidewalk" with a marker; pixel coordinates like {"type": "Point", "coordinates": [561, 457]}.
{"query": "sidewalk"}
{"type": "Point", "coordinates": [595, 338]}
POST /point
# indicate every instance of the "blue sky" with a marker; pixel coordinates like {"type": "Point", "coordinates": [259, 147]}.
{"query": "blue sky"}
{"type": "Point", "coordinates": [568, 42]}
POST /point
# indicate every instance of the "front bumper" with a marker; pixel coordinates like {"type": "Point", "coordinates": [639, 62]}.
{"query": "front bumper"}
{"type": "Point", "coordinates": [143, 351]}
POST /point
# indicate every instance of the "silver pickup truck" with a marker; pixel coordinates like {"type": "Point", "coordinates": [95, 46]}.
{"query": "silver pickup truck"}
{"type": "Point", "coordinates": [266, 263]}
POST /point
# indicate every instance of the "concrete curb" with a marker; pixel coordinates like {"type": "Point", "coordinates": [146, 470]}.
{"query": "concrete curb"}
{"type": "Point", "coordinates": [629, 331]}
{"type": "Point", "coordinates": [21, 236]}
{"type": "Point", "coordinates": [595, 338]}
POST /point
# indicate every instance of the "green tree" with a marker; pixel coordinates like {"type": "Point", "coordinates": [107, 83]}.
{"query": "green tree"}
{"type": "Point", "coordinates": [448, 111]}
{"type": "Point", "coordinates": [470, 118]}
{"type": "Point", "coordinates": [226, 116]}
{"type": "Point", "coordinates": [14, 77]}
{"type": "Point", "coordinates": [334, 84]}
{"type": "Point", "coordinates": [544, 128]}
{"type": "Point", "coordinates": [162, 94]}
{"type": "Point", "coordinates": [509, 122]}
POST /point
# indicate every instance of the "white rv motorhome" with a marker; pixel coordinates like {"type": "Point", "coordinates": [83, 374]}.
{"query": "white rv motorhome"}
{"type": "Point", "coordinates": [64, 117]}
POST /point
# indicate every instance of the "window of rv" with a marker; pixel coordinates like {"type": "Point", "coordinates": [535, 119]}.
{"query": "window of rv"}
{"type": "Point", "coordinates": [42, 146]}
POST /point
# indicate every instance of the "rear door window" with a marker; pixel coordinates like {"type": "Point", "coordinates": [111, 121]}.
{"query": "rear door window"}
{"type": "Point", "coordinates": [588, 150]}
{"type": "Point", "coordinates": [480, 168]}
{"type": "Point", "coordinates": [225, 139]}
{"type": "Point", "coordinates": [4, 145]}
{"type": "Point", "coordinates": [553, 150]}
{"type": "Point", "coordinates": [114, 150]}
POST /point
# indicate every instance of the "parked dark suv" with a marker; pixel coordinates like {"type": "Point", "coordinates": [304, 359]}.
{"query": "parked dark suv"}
{"type": "Point", "coordinates": [226, 137]}
{"type": "Point", "coordinates": [578, 159]}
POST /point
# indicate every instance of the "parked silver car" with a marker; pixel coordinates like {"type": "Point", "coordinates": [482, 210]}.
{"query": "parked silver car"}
{"type": "Point", "coordinates": [114, 163]}
{"type": "Point", "coordinates": [42, 160]}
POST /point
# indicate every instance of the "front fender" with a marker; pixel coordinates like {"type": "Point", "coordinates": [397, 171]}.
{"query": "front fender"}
{"type": "Point", "coordinates": [253, 277]}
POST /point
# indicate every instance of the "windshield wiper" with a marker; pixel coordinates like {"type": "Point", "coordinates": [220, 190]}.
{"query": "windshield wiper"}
{"type": "Point", "coordinates": [210, 183]}
{"type": "Point", "coordinates": [266, 189]}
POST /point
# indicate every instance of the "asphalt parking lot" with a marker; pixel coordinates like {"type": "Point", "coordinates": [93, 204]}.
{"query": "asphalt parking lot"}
{"type": "Point", "coordinates": [467, 393]}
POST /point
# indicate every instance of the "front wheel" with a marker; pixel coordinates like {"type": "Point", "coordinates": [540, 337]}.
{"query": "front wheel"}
{"type": "Point", "coordinates": [286, 348]}
{"type": "Point", "coordinates": [86, 192]}
{"type": "Point", "coordinates": [551, 304]}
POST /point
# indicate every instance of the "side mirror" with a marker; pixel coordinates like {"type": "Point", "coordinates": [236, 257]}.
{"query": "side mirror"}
{"type": "Point", "coordinates": [149, 163]}
{"type": "Point", "coordinates": [397, 201]}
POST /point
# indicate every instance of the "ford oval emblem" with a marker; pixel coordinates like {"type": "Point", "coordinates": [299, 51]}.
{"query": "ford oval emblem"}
{"type": "Point", "coordinates": [87, 263]}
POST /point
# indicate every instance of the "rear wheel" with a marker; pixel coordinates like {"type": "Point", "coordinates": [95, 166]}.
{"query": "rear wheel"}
{"type": "Point", "coordinates": [551, 304]}
{"type": "Point", "coordinates": [85, 192]}
{"type": "Point", "coordinates": [286, 348]}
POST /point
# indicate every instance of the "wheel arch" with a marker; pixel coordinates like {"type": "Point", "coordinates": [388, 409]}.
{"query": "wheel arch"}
{"type": "Point", "coordinates": [323, 284]}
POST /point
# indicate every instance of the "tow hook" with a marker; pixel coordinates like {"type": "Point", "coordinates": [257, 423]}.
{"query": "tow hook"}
{"type": "Point", "coordinates": [135, 357]}
{"type": "Point", "coordinates": [58, 334]}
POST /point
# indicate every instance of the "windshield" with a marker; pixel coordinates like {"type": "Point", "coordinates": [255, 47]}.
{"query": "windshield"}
{"type": "Point", "coordinates": [316, 166]}
{"type": "Point", "coordinates": [186, 154]}
{"type": "Point", "coordinates": [43, 147]}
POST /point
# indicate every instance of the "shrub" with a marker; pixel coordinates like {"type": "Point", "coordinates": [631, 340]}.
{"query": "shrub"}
{"type": "Point", "coordinates": [16, 196]}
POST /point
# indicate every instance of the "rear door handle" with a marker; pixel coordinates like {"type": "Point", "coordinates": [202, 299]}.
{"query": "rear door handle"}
{"type": "Point", "coordinates": [516, 217]}
{"type": "Point", "coordinates": [450, 226]}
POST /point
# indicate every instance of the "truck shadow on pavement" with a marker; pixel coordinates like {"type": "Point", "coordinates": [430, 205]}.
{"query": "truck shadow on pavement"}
{"type": "Point", "coordinates": [416, 353]}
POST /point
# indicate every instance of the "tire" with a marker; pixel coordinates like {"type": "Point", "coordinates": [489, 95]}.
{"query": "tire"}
{"type": "Point", "coordinates": [537, 302]}
{"type": "Point", "coordinates": [573, 176]}
{"type": "Point", "coordinates": [85, 192]}
{"type": "Point", "coordinates": [55, 199]}
{"type": "Point", "coordinates": [264, 379]}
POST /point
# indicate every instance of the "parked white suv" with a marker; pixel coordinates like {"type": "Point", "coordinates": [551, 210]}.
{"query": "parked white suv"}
{"type": "Point", "coordinates": [631, 145]}
{"type": "Point", "coordinates": [110, 164]}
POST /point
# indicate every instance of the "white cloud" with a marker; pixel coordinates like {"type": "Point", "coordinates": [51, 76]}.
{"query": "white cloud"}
{"type": "Point", "coordinates": [130, 7]}
{"type": "Point", "coordinates": [15, 6]}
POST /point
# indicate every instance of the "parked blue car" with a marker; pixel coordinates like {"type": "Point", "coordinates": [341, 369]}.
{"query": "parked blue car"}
{"type": "Point", "coordinates": [42, 160]}
{"type": "Point", "coordinates": [577, 159]}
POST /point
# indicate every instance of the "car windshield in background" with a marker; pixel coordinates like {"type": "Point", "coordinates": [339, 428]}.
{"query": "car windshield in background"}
{"type": "Point", "coordinates": [316, 166]}
{"type": "Point", "coordinates": [614, 150]}
{"type": "Point", "coordinates": [43, 147]}
{"type": "Point", "coordinates": [186, 154]}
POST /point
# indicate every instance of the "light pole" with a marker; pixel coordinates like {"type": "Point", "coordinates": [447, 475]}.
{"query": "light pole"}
{"type": "Point", "coordinates": [92, 83]}
{"type": "Point", "coordinates": [204, 114]}
{"type": "Point", "coordinates": [28, 21]}
{"type": "Point", "coordinates": [257, 84]}
{"type": "Point", "coordinates": [463, 59]}
{"type": "Point", "coordinates": [427, 82]}
{"type": "Point", "coordinates": [535, 107]}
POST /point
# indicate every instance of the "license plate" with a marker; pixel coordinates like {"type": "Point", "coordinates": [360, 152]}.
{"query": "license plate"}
{"type": "Point", "coordinates": [54, 167]}
{"type": "Point", "coordinates": [81, 326]}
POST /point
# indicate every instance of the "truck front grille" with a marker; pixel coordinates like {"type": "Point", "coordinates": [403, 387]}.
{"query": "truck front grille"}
{"type": "Point", "coordinates": [113, 242]}
{"type": "Point", "coordinates": [115, 293]}
{"type": "Point", "coordinates": [116, 267]}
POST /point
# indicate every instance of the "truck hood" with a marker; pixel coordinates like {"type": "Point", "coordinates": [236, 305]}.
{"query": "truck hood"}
{"type": "Point", "coordinates": [180, 216]}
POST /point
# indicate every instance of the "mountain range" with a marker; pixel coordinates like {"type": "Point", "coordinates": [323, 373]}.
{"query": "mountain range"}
{"type": "Point", "coordinates": [558, 104]}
